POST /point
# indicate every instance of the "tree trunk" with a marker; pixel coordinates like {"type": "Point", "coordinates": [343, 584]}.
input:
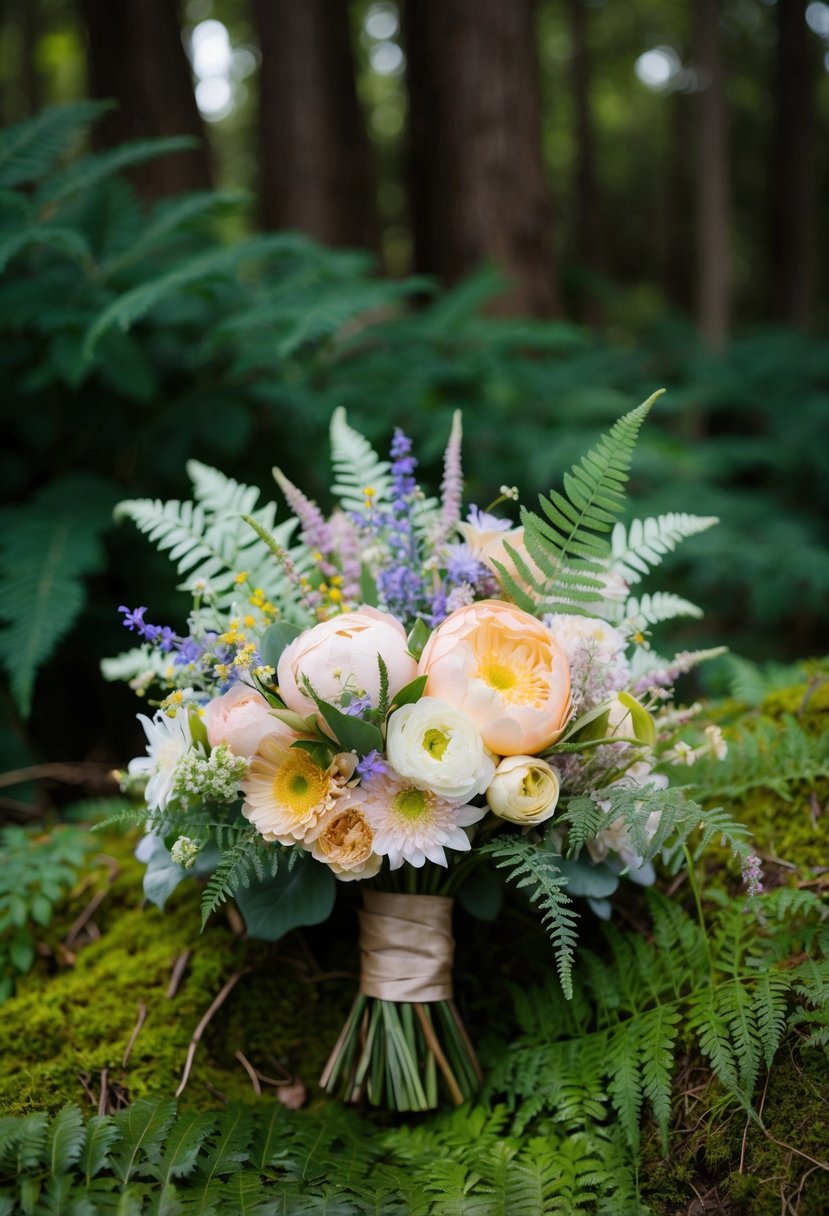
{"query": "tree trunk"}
{"type": "Point", "coordinates": [477, 182]}
{"type": "Point", "coordinates": [679, 189]}
{"type": "Point", "coordinates": [136, 56]}
{"type": "Point", "coordinates": [315, 158]}
{"type": "Point", "coordinates": [712, 176]}
{"type": "Point", "coordinates": [793, 201]}
{"type": "Point", "coordinates": [589, 242]}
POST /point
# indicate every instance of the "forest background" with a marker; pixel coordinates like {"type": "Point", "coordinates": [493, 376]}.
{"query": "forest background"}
{"type": "Point", "coordinates": [536, 212]}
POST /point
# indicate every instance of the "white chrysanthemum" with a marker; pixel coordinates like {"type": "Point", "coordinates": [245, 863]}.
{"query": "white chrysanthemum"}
{"type": "Point", "coordinates": [414, 825]}
{"type": "Point", "coordinates": [168, 741]}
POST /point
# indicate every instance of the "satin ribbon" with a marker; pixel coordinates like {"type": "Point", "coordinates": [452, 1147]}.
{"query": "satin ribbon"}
{"type": "Point", "coordinates": [406, 947]}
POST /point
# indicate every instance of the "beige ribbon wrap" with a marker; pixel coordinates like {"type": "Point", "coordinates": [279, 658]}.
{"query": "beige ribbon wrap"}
{"type": "Point", "coordinates": [406, 947]}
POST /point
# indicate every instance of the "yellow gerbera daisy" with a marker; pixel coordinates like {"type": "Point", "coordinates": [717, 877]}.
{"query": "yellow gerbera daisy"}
{"type": "Point", "coordinates": [286, 791]}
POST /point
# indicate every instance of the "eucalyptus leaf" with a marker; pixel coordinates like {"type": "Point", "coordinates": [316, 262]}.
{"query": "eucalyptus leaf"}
{"type": "Point", "coordinates": [352, 734]}
{"type": "Point", "coordinates": [300, 896]}
{"type": "Point", "coordinates": [274, 641]}
{"type": "Point", "coordinates": [418, 638]}
{"type": "Point", "coordinates": [586, 879]}
{"type": "Point", "coordinates": [162, 875]}
{"type": "Point", "coordinates": [481, 893]}
{"type": "Point", "coordinates": [410, 692]}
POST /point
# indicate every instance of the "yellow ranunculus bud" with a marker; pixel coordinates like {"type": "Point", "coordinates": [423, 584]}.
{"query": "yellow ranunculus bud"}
{"type": "Point", "coordinates": [524, 790]}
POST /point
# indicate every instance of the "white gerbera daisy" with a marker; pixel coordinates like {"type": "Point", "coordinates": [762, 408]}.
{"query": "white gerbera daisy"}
{"type": "Point", "coordinates": [412, 824]}
{"type": "Point", "coordinates": [168, 741]}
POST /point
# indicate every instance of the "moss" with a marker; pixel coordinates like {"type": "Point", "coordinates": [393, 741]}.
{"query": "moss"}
{"type": "Point", "coordinates": [75, 1023]}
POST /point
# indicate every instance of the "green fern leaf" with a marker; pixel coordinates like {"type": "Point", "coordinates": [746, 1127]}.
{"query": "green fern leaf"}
{"type": "Point", "coordinates": [769, 1008]}
{"type": "Point", "coordinates": [101, 1134]}
{"type": "Point", "coordinates": [63, 240]}
{"type": "Point", "coordinates": [625, 1084]}
{"type": "Point", "coordinates": [30, 149]}
{"type": "Point", "coordinates": [232, 872]}
{"type": "Point", "coordinates": [215, 264]}
{"type": "Point", "coordinates": [181, 1147]}
{"type": "Point", "coordinates": [653, 609]}
{"type": "Point", "coordinates": [638, 548]}
{"type": "Point", "coordinates": [569, 547]}
{"type": "Point", "coordinates": [169, 219]}
{"type": "Point", "coordinates": [658, 1038]}
{"type": "Point", "coordinates": [143, 1128]}
{"type": "Point", "coordinates": [356, 466]}
{"type": "Point", "coordinates": [66, 1139]}
{"type": "Point", "coordinates": [533, 868]}
{"type": "Point", "coordinates": [85, 173]}
{"type": "Point", "coordinates": [48, 547]}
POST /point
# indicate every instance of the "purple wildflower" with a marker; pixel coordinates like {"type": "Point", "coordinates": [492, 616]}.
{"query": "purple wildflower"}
{"type": "Point", "coordinates": [753, 875]}
{"type": "Point", "coordinates": [357, 706]}
{"type": "Point", "coordinates": [451, 489]}
{"type": "Point", "coordinates": [134, 618]}
{"type": "Point", "coordinates": [371, 763]}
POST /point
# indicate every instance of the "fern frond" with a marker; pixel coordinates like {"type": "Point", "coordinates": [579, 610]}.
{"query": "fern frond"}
{"type": "Point", "coordinates": [533, 869]}
{"type": "Point", "coordinates": [66, 1139]}
{"type": "Point", "coordinates": [356, 466]}
{"type": "Point", "coordinates": [46, 552]}
{"type": "Point", "coordinates": [209, 539]}
{"type": "Point", "coordinates": [85, 173]}
{"type": "Point", "coordinates": [569, 547]}
{"type": "Point", "coordinates": [143, 1128]}
{"type": "Point", "coordinates": [638, 548]}
{"type": "Point", "coordinates": [653, 609]}
{"type": "Point", "coordinates": [658, 1039]}
{"type": "Point", "coordinates": [236, 869]}
{"type": "Point", "coordinates": [29, 149]}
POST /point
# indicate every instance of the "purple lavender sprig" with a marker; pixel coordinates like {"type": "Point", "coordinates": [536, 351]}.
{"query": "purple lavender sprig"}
{"type": "Point", "coordinates": [400, 583]}
{"type": "Point", "coordinates": [157, 635]}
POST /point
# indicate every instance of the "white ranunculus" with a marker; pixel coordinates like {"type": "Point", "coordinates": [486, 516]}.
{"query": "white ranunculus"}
{"type": "Point", "coordinates": [524, 790]}
{"type": "Point", "coordinates": [438, 748]}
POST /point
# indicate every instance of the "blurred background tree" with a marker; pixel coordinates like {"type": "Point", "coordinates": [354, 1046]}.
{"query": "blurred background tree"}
{"type": "Point", "coordinates": [538, 211]}
{"type": "Point", "coordinates": [563, 140]}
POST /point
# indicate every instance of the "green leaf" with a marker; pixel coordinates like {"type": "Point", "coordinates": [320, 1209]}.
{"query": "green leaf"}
{"type": "Point", "coordinates": [300, 896]}
{"type": "Point", "coordinates": [410, 692]}
{"type": "Point", "coordinates": [143, 1127]}
{"type": "Point", "coordinates": [66, 1139]}
{"type": "Point", "coordinates": [481, 893]}
{"type": "Point", "coordinates": [162, 874]}
{"type": "Point", "coordinates": [321, 753]}
{"type": "Point", "coordinates": [29, 149]}
{"type": "Point", "coordinates": [275, 639]}
{"type": "Point", "coordinates": [352, 734]}
{"type": "Point", "coordinates": [418, 637]}
{"type": "Point", "coordinates": [22, 951]}
{"type": "Point", "coordinates": [588, 880]}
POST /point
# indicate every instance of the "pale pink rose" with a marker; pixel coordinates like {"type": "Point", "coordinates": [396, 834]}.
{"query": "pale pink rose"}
{"type": "Point", "coordinates": [504, 670]}
{"type": "Point", "coordinates": [241, 718]}
{"type": "Point", "coordinates": [340, 655]}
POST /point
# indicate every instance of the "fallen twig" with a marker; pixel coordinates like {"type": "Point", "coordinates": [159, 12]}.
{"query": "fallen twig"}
{"type": "Point", "coordinates": [251, 1071]}
{"type": "Point", "coordinates": [142, 1015]}
{"type": "Point", "coordinates": [216, 1004]}
{"type": "Point", "coordinates": [177, 974]}
{"type": "Point", "coordinates": [103, 1096]}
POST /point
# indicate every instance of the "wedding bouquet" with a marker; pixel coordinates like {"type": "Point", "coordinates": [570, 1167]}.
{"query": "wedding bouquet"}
{"type": "Point", "coordinates": [412, 697]}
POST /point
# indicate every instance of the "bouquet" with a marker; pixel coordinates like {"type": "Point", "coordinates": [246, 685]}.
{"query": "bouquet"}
{"type": "Point", "coordinates": [413, 696]}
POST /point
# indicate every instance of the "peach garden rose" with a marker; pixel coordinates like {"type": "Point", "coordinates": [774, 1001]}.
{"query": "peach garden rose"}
{"type": "Point", "coordinates": [504, 670]}
{"type": "Point", "coordinates": [241, 718]}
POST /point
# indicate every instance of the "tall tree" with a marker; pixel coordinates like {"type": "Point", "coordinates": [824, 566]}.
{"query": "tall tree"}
{"type": "Point", "coordinates": [589, 242]}
{"type": "Point", "coordinates": [477, 181]}
{"type": "Point", "coordinates": [136, 56]}
{"type": "Point", "coordinates": [793, 201]}
{"type": "Point", "coordinates": [712, 177]}
{"type": "Point", "coordinates": [314, 148]}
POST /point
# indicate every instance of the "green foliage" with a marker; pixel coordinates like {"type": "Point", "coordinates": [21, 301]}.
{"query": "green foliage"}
{"type": "Point", "coordinates": [766, 754]}
{"type": "Point", "coordinates": [735, 986]}
{"type": "Point", "coordinates": [48, 546]}
{"type": "Point", "coordinates": [569, 556]}
{"type": "Point", "coordinates": [211, 540]}
{"type": "Point", "coordinates": [36, 873]}
{"type": "Point", "coordinates": [266, 1159]}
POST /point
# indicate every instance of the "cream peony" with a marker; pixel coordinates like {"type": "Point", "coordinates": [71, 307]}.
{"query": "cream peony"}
{"type": "Point", "coordinates": [344, 840]}
{"type": "Point", "coordinates": [438, 748]}
{"type": "Point", "coordinates": [524, 790]}
{"type": "Point", "coordinates": [340, 655]}
{"type": "Point", "coordinates": [241, 718]}
{"type": "Point", "coordinates": [505, 671]}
